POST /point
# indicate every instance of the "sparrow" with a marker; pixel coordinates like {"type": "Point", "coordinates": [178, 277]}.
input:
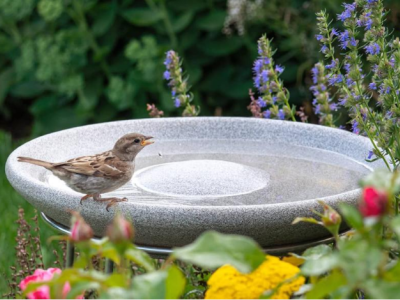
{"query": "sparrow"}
{"type": "Point", "coordinates": [101, 173]}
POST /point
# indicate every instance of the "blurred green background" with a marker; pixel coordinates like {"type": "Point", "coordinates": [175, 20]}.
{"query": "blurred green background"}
{"type": "Point", "coordinates": [65, 63]}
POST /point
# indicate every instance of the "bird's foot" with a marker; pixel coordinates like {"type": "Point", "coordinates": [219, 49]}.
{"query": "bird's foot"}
{"type": "Point", "coordinates": [86, 197]}
{"type": "Point", "coordinates": [113, 201]}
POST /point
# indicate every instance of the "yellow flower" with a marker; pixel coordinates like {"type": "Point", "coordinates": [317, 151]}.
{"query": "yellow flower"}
{"type": "Point", "coordinates": [295, 261]}
{"type": "Point", "coordinates": [229, 283]}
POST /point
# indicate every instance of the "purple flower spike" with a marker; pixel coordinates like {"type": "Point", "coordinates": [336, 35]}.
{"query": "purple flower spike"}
{"type": "Point", "coordinates": [279, 69]}
{"type": "Point", "coordinates": [167, 75]}
{"type": "Point", "coordinates": [264, 76]}
{"type": "Point", "coordinates": [331, 66]}
{"type": "Point", "coordinates": [373, 49]}
{"type": "Point", "coordinates": [372, 86]}
{"type": "Point", "coordinates": [370, 154]}
{"type": "Point", "coordinates": [281, 114]}
{"type": "Point", "coordinates": [258, 64]}
{"type": "Point", "coordinates": [177, 102]}
{"type": "Point", "coordinates": [261, 102]}
{"type": "Point", "coordinates": [314, 72]}
{"type": "Point", "coordinates": [335, 79]}
{"type": "Point", "coordinates": [267, 114]}
{"type": "Point", "coordinates": [356, 130]}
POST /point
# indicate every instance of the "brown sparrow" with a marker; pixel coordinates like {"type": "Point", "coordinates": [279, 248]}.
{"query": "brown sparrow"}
{"type": "Point", "coordinates": [101, 173]}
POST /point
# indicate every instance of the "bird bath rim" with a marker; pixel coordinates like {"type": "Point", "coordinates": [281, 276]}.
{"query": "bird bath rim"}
{"type": "Point", "coordinates": [70, 193]}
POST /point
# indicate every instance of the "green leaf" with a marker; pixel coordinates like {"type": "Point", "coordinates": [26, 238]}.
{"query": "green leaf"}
{"type": "Point", "coordinates": [79, 288]}
{"type": "Point", "coordinates": [382, 179]}
{"type": "Point", "coordinates": [150, 285]}
{"type": "Point", "coordinates": [216, 79]}
{"type": "Point", "coordinates": [187, 39]}
{"type": "Point", "coordinates": [360, 259]}
{"type": "Point", "coordinates": [89, 98]}
{"type": "Point", "coordinates": [320, 266]}
{"type": "Point", "coordinates": [62, 118]}
{"type": "Point", "coordinates": [327, 285]}
{"type": "Point", "coordinates": [185, 5]}
{"type": "Point", "coordinates": [175, 283]}
{"type": "Point", "coordinates": [6, 44]}
{"type": "Point", "coordinates": [140, 257]}
{"type": "Point", "coordinates": [237, 89]}
{"type": "Point", "coordinates": [222, 46]}
{"type": "Point", "coordinates": [116, 280]}
{"type": "Point", "coordinates": [352, 216]}
{"type": "Point", "coordinates": [142, 16]}
{"type": "Point", "coordinates": [315, 253]}
{"type": "Point", "coordinates": [393, 274]}
{"type": "Point", "coordinates": [104, 18]}
{"type": "Point", "coordinates": [379, 289]}
{"type": "Point", "coordinates": [214, 21]}
{"type": "Point", "coordinates": [111, 253]}
{"type": "Point", "coordinates": [181, 21]}
{"type": "Point", "coordinates": [28, 89]}
{"type": "Point", "coordinates": [115, 293]}
{"type": "Point", "coordinates": [44, 104]}
{"type": "Point", "coordinates": [307, 220]}
{"type": "Point", "coordinates": [395, 225]}
{"type": "Point", "coordinates": [212, 250]}
{"type": "Point", "coordinates": [6, 79]}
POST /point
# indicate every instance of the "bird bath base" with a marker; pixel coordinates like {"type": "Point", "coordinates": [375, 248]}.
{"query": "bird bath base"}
{"type": "Point", "coordinates": [160, 252]}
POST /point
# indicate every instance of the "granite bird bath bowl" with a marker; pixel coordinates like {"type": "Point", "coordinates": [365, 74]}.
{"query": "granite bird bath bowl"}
{"type": "Point", "coordinates": [234, 175]}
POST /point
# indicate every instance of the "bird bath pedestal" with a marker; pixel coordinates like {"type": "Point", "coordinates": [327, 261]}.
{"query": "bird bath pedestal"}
{"type": "Point", "coordinates": [234, 175]}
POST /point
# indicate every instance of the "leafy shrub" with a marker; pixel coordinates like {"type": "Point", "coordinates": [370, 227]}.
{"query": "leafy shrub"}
{"type": "Point", "coordinates": [67, 63]}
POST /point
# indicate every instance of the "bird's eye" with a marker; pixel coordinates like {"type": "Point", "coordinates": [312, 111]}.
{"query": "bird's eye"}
{"type": "Point", "coordinates": [136, 141]}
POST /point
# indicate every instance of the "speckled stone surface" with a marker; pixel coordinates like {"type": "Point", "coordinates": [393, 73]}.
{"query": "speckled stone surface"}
{"type": "Point", "coordinates": [285, 167]}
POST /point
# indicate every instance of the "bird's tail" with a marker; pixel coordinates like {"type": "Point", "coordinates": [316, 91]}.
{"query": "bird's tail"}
{"type": "Point", "coordinates": [33, 161]}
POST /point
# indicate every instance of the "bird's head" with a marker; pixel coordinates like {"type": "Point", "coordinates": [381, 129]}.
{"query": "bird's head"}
{"type": "Point", "coordinates": [128, 146]}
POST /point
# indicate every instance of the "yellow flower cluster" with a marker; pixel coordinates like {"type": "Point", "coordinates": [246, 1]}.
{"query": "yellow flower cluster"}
{"type": "Point", "coordinates": [229, 283]}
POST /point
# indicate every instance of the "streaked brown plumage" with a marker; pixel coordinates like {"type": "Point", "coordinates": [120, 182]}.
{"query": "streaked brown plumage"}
{"type": "Point", "coordinates": [101, 173]}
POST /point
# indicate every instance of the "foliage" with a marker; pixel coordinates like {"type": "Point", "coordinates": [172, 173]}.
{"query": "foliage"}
{"type": "Point", "coordinates": [169, 281]}
{"type": "Point", "coordinates": [67, 63]}
{"type": "Point", "coordinates": [364, 263]}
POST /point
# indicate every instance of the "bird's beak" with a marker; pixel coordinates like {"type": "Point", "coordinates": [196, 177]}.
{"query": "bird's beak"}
{"type": "Point", "coordinates": [146, 141]}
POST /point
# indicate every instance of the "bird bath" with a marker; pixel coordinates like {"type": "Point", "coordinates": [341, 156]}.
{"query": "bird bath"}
{"type": "Point", "coordinates": [234, 175]}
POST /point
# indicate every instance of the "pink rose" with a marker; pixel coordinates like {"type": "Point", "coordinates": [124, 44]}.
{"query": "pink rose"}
{"type": "Point", "coordinates": [81, 231]}
{"type": "Point", "coordinates": [120, 230]}
{"type": "Point", "coordinates": [43, 292]}
{"type": "Point", "coordinates": [373, 203]}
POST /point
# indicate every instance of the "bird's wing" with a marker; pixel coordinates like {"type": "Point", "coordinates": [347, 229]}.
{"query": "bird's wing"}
{"type": "Point", "coordinates": [96, 165]}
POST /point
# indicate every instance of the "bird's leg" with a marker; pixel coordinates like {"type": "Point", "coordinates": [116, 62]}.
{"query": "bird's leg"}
{"type": "Point", "coordinates": [112, 200]}
{"type": "Point", "coordinates": [86, 197]}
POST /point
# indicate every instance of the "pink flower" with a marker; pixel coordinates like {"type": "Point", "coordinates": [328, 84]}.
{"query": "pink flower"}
{"type": "Point", "coordinates": [120, 230]}
{"type": "Point", "coordinates": [81, 231]}
{"type": "Point", "coordinates": [43, 292]}
{"type": "Point", "coordinates": [374, 202]}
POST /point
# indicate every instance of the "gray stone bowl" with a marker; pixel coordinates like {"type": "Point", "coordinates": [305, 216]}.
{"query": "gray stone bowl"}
{"type": "Point", "coordinates": [234, 175]}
